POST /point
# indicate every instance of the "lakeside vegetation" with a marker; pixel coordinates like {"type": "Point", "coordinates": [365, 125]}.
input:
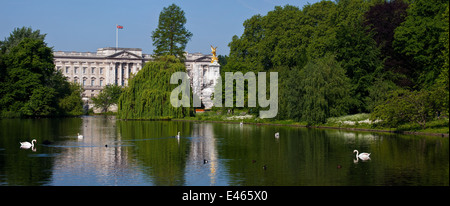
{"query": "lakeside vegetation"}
{"type": "Point", "coordinates": [348, 60]}
{"type": "Point", "coordinates": [337, 60]}
{"type": "Point", "coordinates": [392, 69]}
{"type": "Point", "coordinates": [360, 122]}
{"type": "Point", "coordinates": [148, 93]}
{"type": "Point", "coordinates": [29, 84]}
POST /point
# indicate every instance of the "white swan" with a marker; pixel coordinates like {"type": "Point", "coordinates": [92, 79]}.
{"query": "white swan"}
{"type": "Point", "coordinates": [178, 135]}
{"type": "Point", "coordinates": [277, 135]}
{"type": "Point", "coordinates": [362, 156]}
{"type": "Point", "coordinates": [241, 124]}
{"type": "Point", "coordinates": [27, 145]}
{"type": "Point", "coordinates": [80, 136]}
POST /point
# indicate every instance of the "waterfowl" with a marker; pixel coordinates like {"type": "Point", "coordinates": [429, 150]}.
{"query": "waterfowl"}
{"type": "Point", "coordinates": [27, 145]}
{"type": "Point", "coordinates": [242, 123]}
{"type": "Point", "coordinates": [362, 156]}
{"type": "Point", "coordinates": [277, 135]}
{"type": "Point", "coordinates": [80, 136]}
{"type": "Point", "coordinates": [205, 161]}
{"type": "Point", "coordinates": [178, 135]}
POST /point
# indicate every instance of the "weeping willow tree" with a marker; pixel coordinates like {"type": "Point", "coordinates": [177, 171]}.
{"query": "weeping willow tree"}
{"type": "Point", "coordinates": [148, 93]}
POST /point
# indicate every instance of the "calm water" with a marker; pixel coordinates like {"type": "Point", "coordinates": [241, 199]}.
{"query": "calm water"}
{"type": "Point", "coordinates": [115, 152]}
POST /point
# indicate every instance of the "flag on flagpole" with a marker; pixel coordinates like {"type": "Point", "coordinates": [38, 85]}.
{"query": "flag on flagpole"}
{"type": "Point", "coordinates": [117, 35]}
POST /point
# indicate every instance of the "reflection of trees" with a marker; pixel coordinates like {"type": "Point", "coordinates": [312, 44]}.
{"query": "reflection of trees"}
{"type": "Point", "coordinates": [157, 149]}
{"type": "Point", "coordinates": [423, 166]}
{"type": "Point", "coordinates": [324, 157]}
{"type": "Point", "coordinates": [299, 157]}
{"type": "Point", "coordinates": [22, 168]}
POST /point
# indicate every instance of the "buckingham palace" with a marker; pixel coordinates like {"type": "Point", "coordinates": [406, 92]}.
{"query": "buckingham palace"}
{"type": "Point", "coordinates": [94, 70]}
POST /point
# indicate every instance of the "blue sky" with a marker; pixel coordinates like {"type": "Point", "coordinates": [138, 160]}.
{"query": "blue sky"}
{"type": "Point", "coordinates": [85, 25]}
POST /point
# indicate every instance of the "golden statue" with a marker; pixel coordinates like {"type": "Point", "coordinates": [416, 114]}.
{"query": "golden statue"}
{"type": "Point", "coordinates": [214, 57]}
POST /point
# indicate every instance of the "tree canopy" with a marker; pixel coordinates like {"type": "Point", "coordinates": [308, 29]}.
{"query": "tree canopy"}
{"type": "Point", "coordinates": [148, 93]}
{"type": "Point", "coordinates": [171, 36]}
{"type": "Point", "coordinates": [384, 48]}
{"type": "Point", "coordinates": [29, 83]}
{"type": "Point", "coordinates": [108, 96]}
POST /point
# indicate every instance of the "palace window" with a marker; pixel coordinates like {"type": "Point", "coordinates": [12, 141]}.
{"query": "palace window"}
{"type": "Point", "coordinates": [84, 70]}
{"type": "Point", "coordinates": [101, 82]}
{"type": "Point", "coordinates": [75, 70]}
{"type": "Point", "coordinates": [67, 70]}
{"type": "Point", "coordinates": [101, 70]}
{"type": "Point", "coordinates": [93, 70]}
{"type": "Point", "coordinates": [92, 82]}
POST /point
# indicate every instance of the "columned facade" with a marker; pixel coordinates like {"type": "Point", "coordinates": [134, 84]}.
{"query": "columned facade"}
{"type": "Point", "coordinates": [93, 71]}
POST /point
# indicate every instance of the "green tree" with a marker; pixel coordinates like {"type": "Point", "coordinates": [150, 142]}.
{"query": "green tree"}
{"type": "Point", "coordinates": [108, 96]}
{"type": "Point", "coordinates": [41, 102]}
{"type": "Point", "coordinates": [171, 36]}
{"type": "Point", "coordinates": [419, 36]}
{"type": "Point", "coordinates": [440, 89]}
{"type": "Point", "coordinates": [289, 93]}
{"type": "Point", "coordinates": [148, 93]}
{"type": "Point", "coordinates": [29, 84]}
{"type": "Point", "coordinates": [324, 90]}
{"type": "Point", "coordinates": [271, 43]}
{"type": "Point", "coordinates": [29, 66]}
{"type": "Point", "coordinates": [405, 106]}
{"type": "Point", "coordinates": [268, 41]}
{"type": "Point", "coordinates": [18, 35]}
{"type": "Point", "coordinates": [71, 104]}
{"type": "Point", "coordinates": [356, 50]}
{"type": "Point", "coordinates": [319, 25]}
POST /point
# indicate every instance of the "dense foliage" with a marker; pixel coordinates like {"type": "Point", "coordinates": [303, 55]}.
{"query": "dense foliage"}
{"type": "Point", "coordinates": [29, 83]}
{"type": "Point", "coordinates": [148, 93]}
{"type": "Point", "coordinates": [171, 37]}
{"type": "Point", "coordinates": [351, 56]}
{"type": "Point", "coordinates": [108, 96]}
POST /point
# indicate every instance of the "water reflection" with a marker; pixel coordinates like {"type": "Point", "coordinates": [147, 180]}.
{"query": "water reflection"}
{"type": "Point", "coordinates": [116, 152]}
{"type": "Point", "coordinates": [95, 159]}
{"type": "Point", "coordinates": [202, 153]}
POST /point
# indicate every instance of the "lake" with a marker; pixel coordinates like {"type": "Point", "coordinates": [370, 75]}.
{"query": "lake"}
{"type": "Point", "coordinates": [117, 152]}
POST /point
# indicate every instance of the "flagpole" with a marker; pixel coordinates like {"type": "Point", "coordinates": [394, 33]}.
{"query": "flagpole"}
{"type": "Point", "coordinates": [117, 37]}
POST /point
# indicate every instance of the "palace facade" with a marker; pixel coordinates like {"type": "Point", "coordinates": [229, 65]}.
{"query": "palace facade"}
{"type": "Point", "coordinates": [94, 70]}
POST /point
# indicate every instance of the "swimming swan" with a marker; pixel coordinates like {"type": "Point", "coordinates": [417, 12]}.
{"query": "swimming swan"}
{"type": "Point", "coordinates": [178, 135]}
{"type": "Point", "coordinates": [80, 136]}
{"type": "Point", "coordinates": [27, 145]}
{"type": "Point", "coordinates": [277, 135]}
{"type": "Point", "coordinates": [362, 156]}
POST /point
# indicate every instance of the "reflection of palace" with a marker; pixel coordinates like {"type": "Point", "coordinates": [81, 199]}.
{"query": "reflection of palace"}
{"type": "Point", "coordinates": [117, 164]}
{"type": "Point", "coordinates": [204, 149]}
{"type": "Point", "coordinates": [95, 70]}
{"type": "Point", "coordinates": [102, 165]}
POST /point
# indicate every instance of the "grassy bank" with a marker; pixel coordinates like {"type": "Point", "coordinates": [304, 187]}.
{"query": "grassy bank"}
{"type": "Point", "coordinates": [439, 127]}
